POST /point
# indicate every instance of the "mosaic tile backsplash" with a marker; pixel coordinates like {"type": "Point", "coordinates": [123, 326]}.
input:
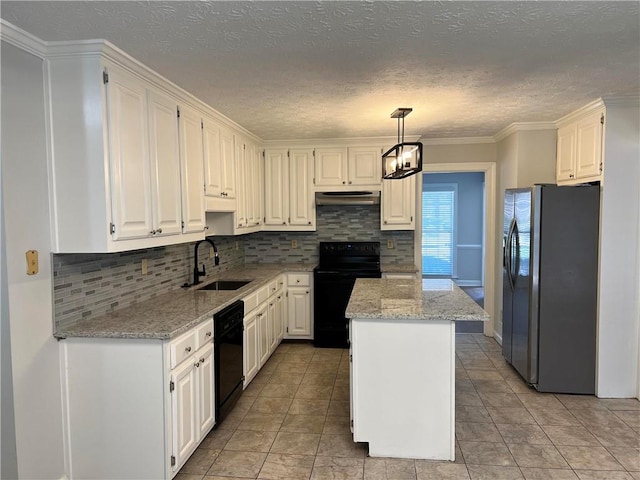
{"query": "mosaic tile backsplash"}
{"type": "Point", "coordinates": [335, 223]}
{"type": "Point", "coordinates": [90, 285]}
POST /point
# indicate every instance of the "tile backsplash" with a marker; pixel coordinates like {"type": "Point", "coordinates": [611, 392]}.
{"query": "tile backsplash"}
{"type": "Point", "coordinates": [90, 285]}
{"type": "Point", "coordinates": [335, 223]}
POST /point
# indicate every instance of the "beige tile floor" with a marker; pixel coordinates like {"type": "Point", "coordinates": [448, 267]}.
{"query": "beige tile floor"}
{"type": "Point", "coordinates": [292, 423]}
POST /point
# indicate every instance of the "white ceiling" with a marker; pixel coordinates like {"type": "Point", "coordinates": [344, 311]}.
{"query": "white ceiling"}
{"type": "Point", "coordinates": [294, 70]}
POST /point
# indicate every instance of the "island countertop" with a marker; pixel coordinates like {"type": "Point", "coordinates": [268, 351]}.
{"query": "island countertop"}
{"type": "Point", "coordinates": [420, 299]}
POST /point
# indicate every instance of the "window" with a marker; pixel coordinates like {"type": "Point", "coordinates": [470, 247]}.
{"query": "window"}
{"type": "Point", "coordinates": [438, 229]}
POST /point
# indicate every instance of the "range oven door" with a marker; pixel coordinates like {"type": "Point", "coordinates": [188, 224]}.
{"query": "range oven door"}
{"type": "Point", "coordinates": [332, 290]}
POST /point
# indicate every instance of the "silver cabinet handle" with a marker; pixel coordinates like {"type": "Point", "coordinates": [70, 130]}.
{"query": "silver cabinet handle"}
{"type": "Point", "coordinates": [188, 349]}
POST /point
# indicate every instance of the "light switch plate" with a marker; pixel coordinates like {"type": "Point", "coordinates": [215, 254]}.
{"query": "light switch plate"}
{"type": "Point", "coordinates": [294, 243]}
{"type": "Point", "coordinates": [144, 266]}
{"type": "Point", "coordinates": [390, 244]}
{"type": "Point", "coordinates": [32, 262]}
{"type": "Point", "coordinates": [211, 253]}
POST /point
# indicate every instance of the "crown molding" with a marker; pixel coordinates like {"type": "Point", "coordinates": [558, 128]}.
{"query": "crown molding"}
{"type": "Point", "coordinates": [457, 141]}
{"type": "Point", "coordinates": [622, 101]}
{"type": "Point", "coordinates": [22, 39]}
{"type": "Point", "coordinates": [584, 110]}
{"type": "Point", "coordinates": [523, 127]}
{"type": "Point", "coordinates": [343, 142]}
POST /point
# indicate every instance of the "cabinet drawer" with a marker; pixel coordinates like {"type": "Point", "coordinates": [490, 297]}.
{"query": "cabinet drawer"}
{"type": "Point", "coordinates": [298, 279]}
{"type": "Point", "coordinates": [204, 333]}
{"type": "Point", "coordinates": [182, 347]}
{"type": "Point", "coordinates": [250, 302]}
{"type": "Point", "coordinates": [263, 294]}
{"type": "Point", "coordinates": [273, 287]}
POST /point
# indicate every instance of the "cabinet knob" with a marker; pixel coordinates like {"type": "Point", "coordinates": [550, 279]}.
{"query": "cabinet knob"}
{"type": "Point", "coordinates": [571, 175]}
{"type": "Point", "coordinates": [208, 334]}
{"type": "Point", "coordinates": [344, 183]}
{"type": "Point", "coordinates": [385, 222]}
{"type": "Point", "coordinates": [307, 292]}
{"type": "Point", "coordinates": [202, 360]}
{"type": "Point", "coordinates": [197, 364]}
{"type": "Point", "coordinates": [284, 223]}
{"type": "Point", "coordinates": [159, 230]}
{"type": "Point", "coordinates": [152, 232]}
{"type": "Point", "coordinates": [297, 281]}
{"type": "Point", "coordinates": [309, 223]}
{"type": "Point", "coordinates": [188, 349]}
{"type": "Point", "coordinates": [350, 182]}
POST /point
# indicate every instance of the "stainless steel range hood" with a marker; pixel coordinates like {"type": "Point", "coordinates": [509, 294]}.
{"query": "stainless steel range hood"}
{"type": "Point", "coordinates": [348, 198]}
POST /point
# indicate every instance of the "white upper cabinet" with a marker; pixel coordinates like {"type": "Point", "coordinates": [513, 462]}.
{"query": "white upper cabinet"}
{"type": "Point", "coordinates": [579, 148]}
{"type": "Point", "coordinates": [129, 156]}
{"type": "Point", "coordinates": [289, 197]}
{"type": "Point", "coordinates": [117, 177]}
{"type": "Point", "coordinates": [398, 204]}
{"type": "Point", "coordinates": [352, 168]}
{"type": "Point", "coordinates": [219, 164]}
{"type": "Point", "coordinates": [165, 165]}
{"type": "Point", "coordinates": [192, 170]}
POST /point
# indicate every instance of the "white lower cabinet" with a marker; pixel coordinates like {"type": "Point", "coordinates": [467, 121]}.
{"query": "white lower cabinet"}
{"type": "Point", "coordinates": [299, 306]}
{"type": "Point", "coordinates": [263, 326]}
{"type": "Point", "coordinates": [136, 408]}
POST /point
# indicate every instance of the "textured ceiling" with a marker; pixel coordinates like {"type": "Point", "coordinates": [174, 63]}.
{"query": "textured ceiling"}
{"type": "Point", "coordinates": [309, 69]}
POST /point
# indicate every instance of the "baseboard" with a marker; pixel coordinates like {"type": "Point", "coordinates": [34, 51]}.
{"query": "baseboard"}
{"type": "Point", "coordinates": [498, 337]}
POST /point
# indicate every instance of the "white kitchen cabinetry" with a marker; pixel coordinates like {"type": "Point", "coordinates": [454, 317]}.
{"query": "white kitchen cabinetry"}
{"type": "Point", "coordinates": [192, 170]}
{"type": "Point", "coordinates": [262, 326]}
{"type": "Point", "coordinates": [289, 197]}
{"type": "Point", "coordinates": [580, 145]}
{"type": "Point", "coordinates": [136, 408]}
{"type": "Point", "coordinates": [398, 204]}
{"type": "Point", "coordinates": [115, 174]}
{"type": "Point", "coordinates": [299, 306]}
{"type": "Point", "coordinates": [353, 168]}
{"type": "Point", "coordinates": [219, 161]}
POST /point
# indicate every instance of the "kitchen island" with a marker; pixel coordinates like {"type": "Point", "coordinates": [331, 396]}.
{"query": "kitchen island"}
{"type": "Point", "coordinates": [402, 351]}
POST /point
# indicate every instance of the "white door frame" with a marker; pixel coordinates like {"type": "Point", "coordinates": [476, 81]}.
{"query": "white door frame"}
{"type": "Point", "coordinates": [489, 170]}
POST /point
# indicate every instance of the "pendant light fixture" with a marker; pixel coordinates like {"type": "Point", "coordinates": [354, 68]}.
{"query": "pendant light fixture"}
{"type": "Point", "coordinates": [405, 158]}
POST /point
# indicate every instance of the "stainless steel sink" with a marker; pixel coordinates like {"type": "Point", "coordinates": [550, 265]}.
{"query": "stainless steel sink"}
{"type": "Point", "coordinates": [225, 285]}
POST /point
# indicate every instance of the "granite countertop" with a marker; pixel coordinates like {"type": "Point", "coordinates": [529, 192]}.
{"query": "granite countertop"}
{"type": "Point", "coordinates": [399, 268]}
{"type": "Point", "coordinates": [170, 314]}
{"type": "Point", "coordinates": [412, 300]}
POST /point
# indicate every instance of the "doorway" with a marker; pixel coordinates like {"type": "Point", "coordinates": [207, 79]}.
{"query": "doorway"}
{"type": "Point", "coordinates": [475, 259]}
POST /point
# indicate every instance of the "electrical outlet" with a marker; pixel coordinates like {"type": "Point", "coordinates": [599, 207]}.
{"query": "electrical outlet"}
{"type": "Point", "coordinates": [390, 244]}
{"type": "Point", "coordinates": [211, 253]}
{"type": "Point", "coordinates": [237, 245]}
{"type": "Point", "coordinates": [144, 266]}
{"type": "Point", "coordinates": [294, 243]}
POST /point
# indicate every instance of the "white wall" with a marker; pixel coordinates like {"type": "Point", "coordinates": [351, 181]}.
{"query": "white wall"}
{"type": "Point", "coordinates": [619, 301]}
{"type": "Point", "coordinates": [525, 157]}
{"type": "Point", "coordinates": [35, 358]}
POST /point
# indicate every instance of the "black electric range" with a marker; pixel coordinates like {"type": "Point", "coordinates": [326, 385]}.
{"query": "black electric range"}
{"type": "Point", "coordinates": [340, 264]}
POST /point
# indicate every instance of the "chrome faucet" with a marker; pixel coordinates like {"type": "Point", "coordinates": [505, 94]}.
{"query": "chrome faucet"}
{"type": "Point", "coordinates": [201, 273]}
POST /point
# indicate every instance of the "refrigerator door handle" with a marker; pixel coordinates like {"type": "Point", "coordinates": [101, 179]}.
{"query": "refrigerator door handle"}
{"type": "Point", "coordinates": [508, 255]}
{"type": "Point", "coordinates": [515, 255]}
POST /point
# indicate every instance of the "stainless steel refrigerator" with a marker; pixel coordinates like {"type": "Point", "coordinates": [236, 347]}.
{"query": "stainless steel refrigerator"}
{"type": "Point", "coordinates": [550, 281]}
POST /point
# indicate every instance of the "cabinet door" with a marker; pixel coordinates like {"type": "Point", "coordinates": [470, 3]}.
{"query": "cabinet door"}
{"type": "Point", "coordinates": [257, 184]}
{"type": "Point", "coordinates": [129, 156]}
{"type": "Point", "coordinates": [212, 160]}
{"type": "Point", "coordinates": [183, 412]}
{"type": "Point", "coordinates": [589, 146]}
{"type": "Point", "coordinates": [251, 358]}
{"type": "Point", "coordinates": [165, 164]}
{"type": "Point", "coordinates": [365, 166]}
{"type": "Point", "coordinates": [206, 391]}
{"type": "Point", "coordinates": [330, 166]}
{"type": "Point", "coordinates": [566, 153]}
{"type": "Point", "coordinates": [192, 163]}
{"type": "Point", "coordinates": [276, 191]}
{"type": "Point", "coordinates": [242, 185]}
{"type": "Point", "coordinates": [227, 163]}
{"type": "Point", "coordinates": [398, 204]}
{"type": "Point", "coordinates": [302, 211]}
{"type": "Point", "coordinates": [264, 342]}
{"type": "Point", "coordinates": [299, 312]}
{"type": "Point", "coordinates": [280, 318]}
{"type": "Point", "coordinates": [272, 316]}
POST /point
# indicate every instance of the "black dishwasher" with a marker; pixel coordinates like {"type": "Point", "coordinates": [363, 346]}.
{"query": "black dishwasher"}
{"type": "Point", "coordinates": [228, 326]}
